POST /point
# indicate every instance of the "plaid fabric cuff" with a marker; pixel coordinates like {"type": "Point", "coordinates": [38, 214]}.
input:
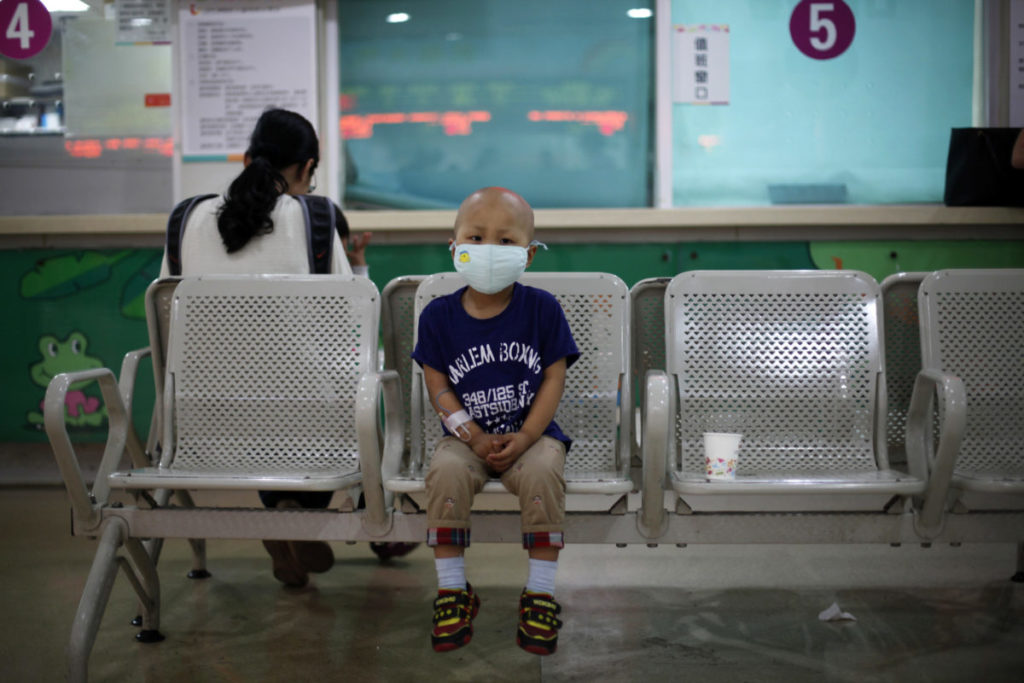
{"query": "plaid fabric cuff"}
{"type": "Point", "coordinates": [447, 536]}
{"type": "Point", "coordinates": [543, 539]}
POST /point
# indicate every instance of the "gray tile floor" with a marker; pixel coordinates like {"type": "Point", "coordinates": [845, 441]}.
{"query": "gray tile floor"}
{"type": "Point", "coordinates": [711, 613]}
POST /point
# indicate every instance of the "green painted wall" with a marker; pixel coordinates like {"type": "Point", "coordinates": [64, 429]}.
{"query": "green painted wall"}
{"type": "Point", "coordinates": [66, 310]}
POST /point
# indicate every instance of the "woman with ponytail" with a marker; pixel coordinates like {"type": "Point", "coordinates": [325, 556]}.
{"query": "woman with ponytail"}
{"type": "Point", "coordinates": [259, 227]}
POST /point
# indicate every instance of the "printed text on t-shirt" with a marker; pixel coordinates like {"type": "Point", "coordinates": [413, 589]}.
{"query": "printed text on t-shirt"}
{"type": "Point", "coordinates": [490, 406]}
{"type": "Point", "coordinates": [475, 356]}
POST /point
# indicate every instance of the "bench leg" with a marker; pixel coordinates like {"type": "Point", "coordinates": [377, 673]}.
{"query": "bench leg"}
{"type": "Point", "coordinates": [1019, 576]}
{"type": "Point", "coordinates": [144, 579]}
{"type": "Point", "coordinates": [94, 599]}
{"type": "Point", "coordinates": [153, 547]}
{"type": "Point", "coordinates": [198, 545]}
{"type": "Point", "coordinates": [198, 570]}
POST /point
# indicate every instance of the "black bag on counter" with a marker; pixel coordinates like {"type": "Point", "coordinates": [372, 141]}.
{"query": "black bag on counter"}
{"type": "Point", "coordinates": [978, 170]}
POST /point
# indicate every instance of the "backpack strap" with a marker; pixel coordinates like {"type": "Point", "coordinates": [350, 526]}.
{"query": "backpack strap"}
{"type": "Point", "coordinates": [176, 230]}
{"type": "Point", "coordinates": [323, 218]}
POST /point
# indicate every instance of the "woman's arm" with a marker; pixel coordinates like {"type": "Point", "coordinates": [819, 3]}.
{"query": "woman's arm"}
{"type": "Point", "coordinates": [357, 252]}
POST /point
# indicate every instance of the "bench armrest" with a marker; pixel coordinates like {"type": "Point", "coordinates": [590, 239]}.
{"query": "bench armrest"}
{"type": "Point", "coordinates": [121, 436]}
{"type": "Point", "coordinates": [126, 382]}
{"type": "Point", "coordinates": [129, 371]}
{"type": "Point", "coordinates": [658, 413]}
{"type": "Point", "coordinates": [375, 462]}
{"type": "Point", "coordinates": [935, 466]}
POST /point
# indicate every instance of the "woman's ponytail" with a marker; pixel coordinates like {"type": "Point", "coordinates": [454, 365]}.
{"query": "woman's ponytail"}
{"type": "Point", "coordinates": [248, 203]}
{"type": "Point", "coordinates": [281, 138]}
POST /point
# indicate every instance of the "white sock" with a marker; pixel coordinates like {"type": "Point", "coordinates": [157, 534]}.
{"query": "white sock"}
{"type": "Point", "coordinates": [542, 576]}
{"type": "Point", "coordinates": [451, 572]}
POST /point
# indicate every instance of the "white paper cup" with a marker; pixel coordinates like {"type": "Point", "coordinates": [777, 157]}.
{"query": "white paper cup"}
{"type": "Point", "coordinates": [721, 454]}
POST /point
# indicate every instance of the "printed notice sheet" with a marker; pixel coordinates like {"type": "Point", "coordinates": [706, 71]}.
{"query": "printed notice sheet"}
{"type": "Point", "coordinates": [239, 57]}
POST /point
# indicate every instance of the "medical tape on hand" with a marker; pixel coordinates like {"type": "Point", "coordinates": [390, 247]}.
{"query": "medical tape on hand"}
{"type": "Point", "coordinates": [456, 424]}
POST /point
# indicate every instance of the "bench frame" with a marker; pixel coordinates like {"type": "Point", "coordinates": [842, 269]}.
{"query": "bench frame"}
{"type": "Point", "coordinates": [130, 534]}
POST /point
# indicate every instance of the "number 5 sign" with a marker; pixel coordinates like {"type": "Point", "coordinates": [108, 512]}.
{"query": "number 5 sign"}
{"type": "Point", "coordinates": [822, 30]}
{"type": "Point", "coordinates": [25, 28]}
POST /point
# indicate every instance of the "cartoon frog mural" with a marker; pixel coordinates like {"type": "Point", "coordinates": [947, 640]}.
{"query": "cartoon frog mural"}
{"type": "Point", "coordinates": [80, 410]}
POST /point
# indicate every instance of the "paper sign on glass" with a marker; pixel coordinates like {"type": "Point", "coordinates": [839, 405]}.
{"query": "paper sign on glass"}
{"type": "Point", "coordinates": [700, 64]}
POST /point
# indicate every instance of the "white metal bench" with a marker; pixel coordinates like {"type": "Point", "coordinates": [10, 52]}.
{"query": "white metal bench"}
{"type": "Point", "coordinates": [793, 361]}
{"type": "Point", "coordinates": [271, 384]}
{"type": "Point", "coordinates": [972, 327]}
{"type": "Point", "coordinates": [591, 412]}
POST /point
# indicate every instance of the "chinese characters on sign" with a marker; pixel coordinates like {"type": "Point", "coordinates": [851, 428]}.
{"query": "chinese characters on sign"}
{"type": "Point", "coordinates": [237, 59]}
{"type": "Point", "coordinates": [700, 57]}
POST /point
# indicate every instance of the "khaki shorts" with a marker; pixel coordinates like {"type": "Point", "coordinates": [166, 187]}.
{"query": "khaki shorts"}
{"type": "Point", "coordinates": [456, 475]}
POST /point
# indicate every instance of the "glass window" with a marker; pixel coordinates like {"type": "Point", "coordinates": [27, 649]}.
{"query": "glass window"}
{"type": "Point", "coordinates": [869, 126]}
{"type": "Point", "coordinates": [85, 127]}
{"type": "Point", "coordinates": [549, 98]}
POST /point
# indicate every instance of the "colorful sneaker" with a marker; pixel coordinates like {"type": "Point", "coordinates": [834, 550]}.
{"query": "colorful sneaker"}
{"type": "Point", "coordinates": [538, 626]}
{"type": "Point", "coordinates": [454, 611]}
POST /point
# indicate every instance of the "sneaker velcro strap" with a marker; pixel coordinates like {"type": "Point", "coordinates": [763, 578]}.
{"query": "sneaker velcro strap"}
{"type": "Point", "coordinates": [452, 608]}
{"type": "Point", "coordinates": [540, 619]}
{"type": "Point", "coordinates": [540, 603]}
{"type": "Point", "coordinates": [450, 616]}
{"type": "Point", "coordinates": [452, 600]}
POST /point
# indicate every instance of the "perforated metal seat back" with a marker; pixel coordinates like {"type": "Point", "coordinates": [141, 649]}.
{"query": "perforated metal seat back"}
{"type": "Point", "coordinates": [596, 306]}
{"type": "Point", "coordinates": [648, 327]}
{"type": "Point", "coordinates": [902, 356]}
{"type": "Point", "coordinates": [398, 319]}
{"type": "Point", "coordinates": [973, 327]}
{"type": "Point", "coordinates": [789, 359]}
{"type": "Point", "coordinates": [262, 372]}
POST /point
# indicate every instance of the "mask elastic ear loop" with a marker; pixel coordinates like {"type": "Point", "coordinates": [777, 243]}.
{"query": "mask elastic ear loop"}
{"type": "Point", "coordinates": [537, 243]}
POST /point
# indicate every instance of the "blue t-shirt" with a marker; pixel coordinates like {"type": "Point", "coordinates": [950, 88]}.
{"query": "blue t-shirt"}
{"type": "Point", "coordinates": [495, 366]}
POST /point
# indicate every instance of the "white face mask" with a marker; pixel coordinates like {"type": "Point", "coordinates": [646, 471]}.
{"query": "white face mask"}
{"type": "Point", "coordinates": [490, 268]}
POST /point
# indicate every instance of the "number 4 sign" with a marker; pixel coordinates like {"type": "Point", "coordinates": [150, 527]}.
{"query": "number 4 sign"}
{"type": "Point", "coordinates": [25, 28]}
{"type": "Point", "coordinates": [822, 30]}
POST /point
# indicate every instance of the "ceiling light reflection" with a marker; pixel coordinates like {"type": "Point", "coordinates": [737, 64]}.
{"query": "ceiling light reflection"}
{"type": "Point", "coordinates": [65, 6]}
{"type": "Point", "coordinates": [639, 13]}
{"type": "Point", "coordinates": [398, 17]}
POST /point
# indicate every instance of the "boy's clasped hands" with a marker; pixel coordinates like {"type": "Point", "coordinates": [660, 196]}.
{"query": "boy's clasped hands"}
{"type": "Point", "coordinates": [500, 451]}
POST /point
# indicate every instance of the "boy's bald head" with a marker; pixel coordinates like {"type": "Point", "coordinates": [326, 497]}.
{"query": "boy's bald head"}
{"type": "Point", "coordinates": [496, 203]}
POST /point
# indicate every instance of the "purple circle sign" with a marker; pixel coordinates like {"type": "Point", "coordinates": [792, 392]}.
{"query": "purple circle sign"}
{"type": "Point", "coordinates": [822, 29]}
{"type": "Point", "coordinates": [25, 28]}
